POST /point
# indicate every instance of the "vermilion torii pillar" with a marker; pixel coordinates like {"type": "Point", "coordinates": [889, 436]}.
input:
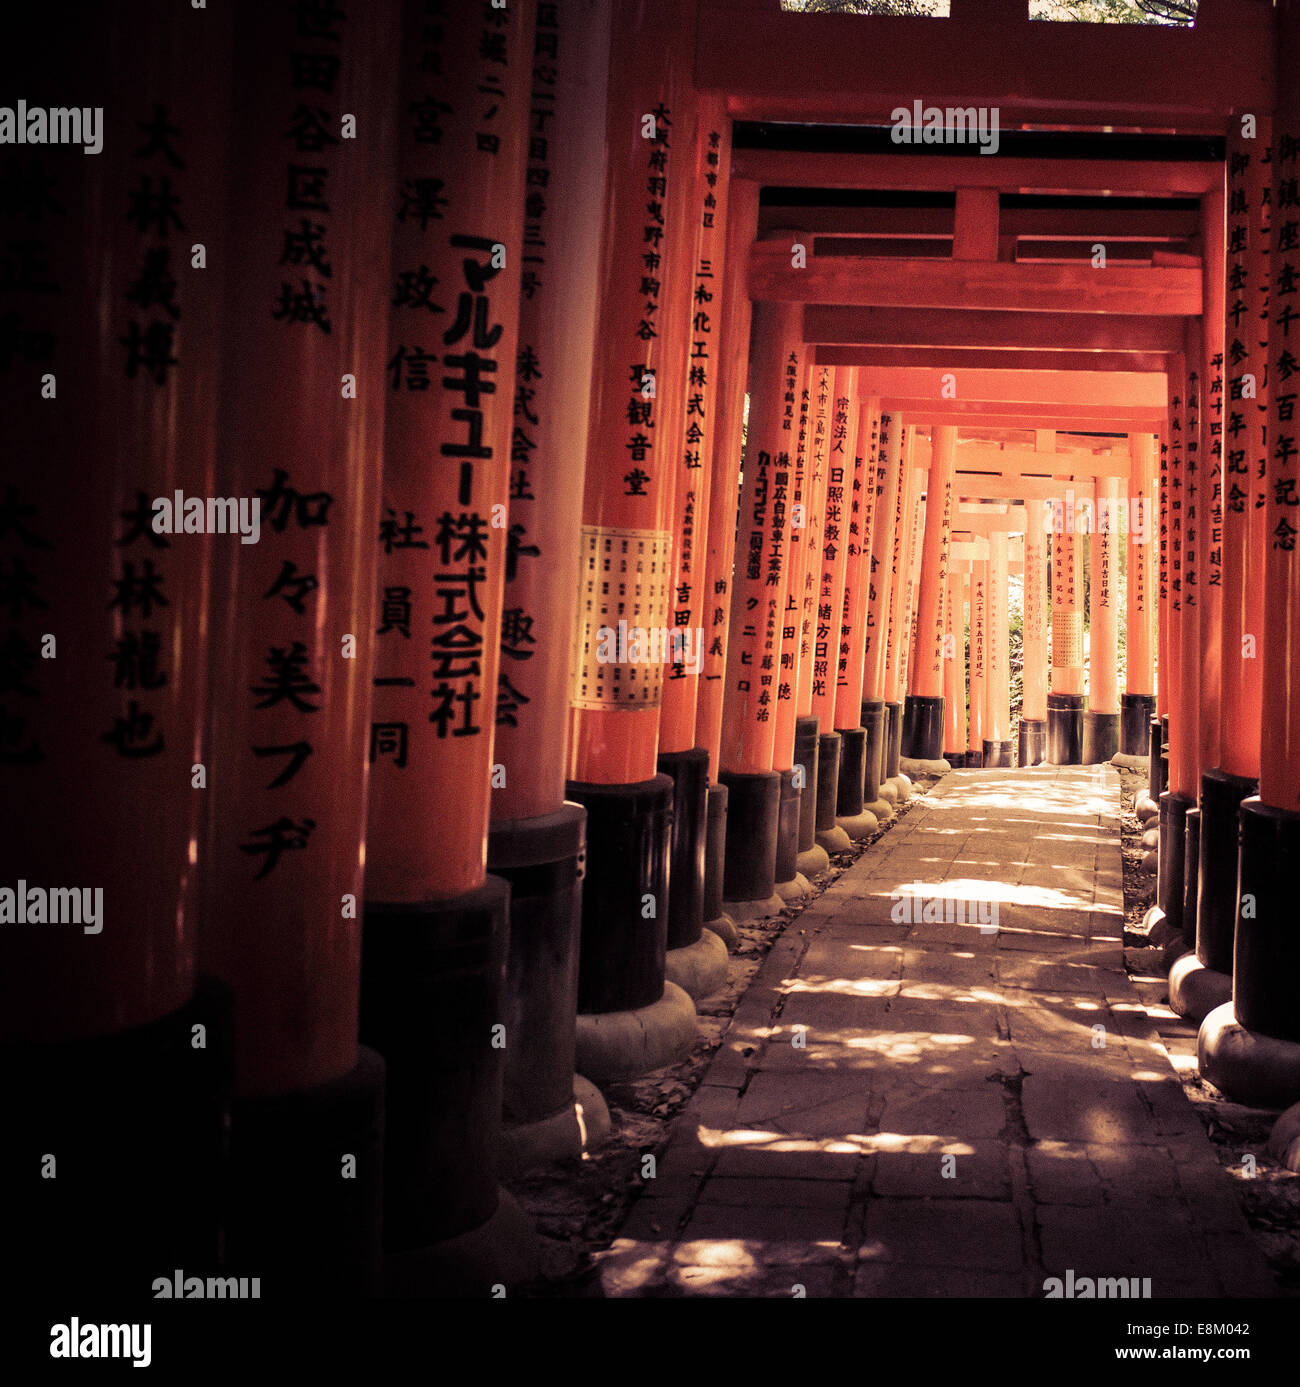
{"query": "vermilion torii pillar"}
{"type": "Point", "coordinates": [894, 785]}
{"type": "Point", "coordinates": [696, 958]}
{"type": "Point", "coordinates": [978, 594]}
{"type": "Point", "coordinates": [116, 1059]}
{"type": "Point", "coordinates": [537, 839]}
{"type": "Point", "coordinates": [923, 725]}
{"type": "Point", "coordinates": [1065, 701]}
{"type": "Point", "coordinates": [1197, 673]}
{"type": "Point", "coordinates": [1250, 1047]}
{"type": "Point", "coordinates": [997, 730]}
{"type": "Point", "coordinates": [1032, 735]}
{"type": "Point", "coordinates": [630, 1017]}
{"type": "Point", "coordinates": [892, 449]}
{"type": "Point", "coordinates": [830, 426]}
{"type": "Point", "coordinates": [954, 666]}
{"type": "Point", "coordinates": [852, 815]}
{"type": "Point", "coordinates": [442, 542]}
{"type": "Point", "coordinates": [311, 219]}
{"type": "Point", "coordinates": [757, 612]}
{"type": "Point", "coordinates": [1138, 703]}
{"type": "Point", "coordinates": [724, 481]}
{"type": "Point", "coordinates": [1101, 719]}
{"type": "Point", "coordinates": [1201, 981]}
{"type": "Point", "coordinates": [807, 534]}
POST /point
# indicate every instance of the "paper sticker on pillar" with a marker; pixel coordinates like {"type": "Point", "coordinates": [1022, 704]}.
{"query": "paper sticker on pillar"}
{"type": "Point", "coordinates": [920, 124]}
{"type": "Point", "coordinates": [54, 905]}
{"type": "Point", "coordinates": [624, 581]}
{"type": "Point", "coordinates": [1107, 515]}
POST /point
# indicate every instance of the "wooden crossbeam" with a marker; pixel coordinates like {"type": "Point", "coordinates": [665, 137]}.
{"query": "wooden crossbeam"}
{"type": "Point", "coordinates": [1019, 387]}
{"type": "Point", "coordinates": [1112, 226]}
{"type": "Point", "coordinates": [928, 413]}
{"type": "Point", "coordinates": [879, 282]}
{"type": "Point", "coordinates": [972, 359]}
{"type": "Point", "coordinates": [930, 327]}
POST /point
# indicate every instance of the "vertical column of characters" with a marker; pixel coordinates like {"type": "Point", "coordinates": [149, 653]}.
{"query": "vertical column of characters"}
{"type": "Point", "coordinates": [302, 420]}
{"type": "Point", "coordinates": [978, 652]}
{"type": "Point", "coordinates": [1209, 559]}
{"type": "Point", "coordinates": [1103, 679]}
{"type": "Point", "coordinates": [1139, 674]}
{"type": "Point", "coordinates": [997, 733]}
{"type": "Point", "coordinates": [1182, 755]}
{"type": "Point", "coordinates": [954, 665]}
{"type": "Point", "coordinates": [1033, 709]}
{"type": "Point", "coordinates": [820, 386]}
{"type": "Point", "coordinates": [867, 485]}
{"type": "Point", "coordinates": [794, 419]}
{"type": "Point", "coordinates": [1194, 511]}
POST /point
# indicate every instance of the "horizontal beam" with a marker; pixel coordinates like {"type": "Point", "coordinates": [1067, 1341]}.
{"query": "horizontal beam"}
{"type": "Point", "coordinates": [973, 285]}
{"type": "Point", "coordinates": [785, 168]}
{"type": "Point", "coordinates": [1109, 225]}
{"type": "Point", "coordinates": [1015, 488]}
{"type": "Point", "coordinates": [1028, 251]}
{"type": "Point", "coordinates": [972, 359]}
{"type": "Point", "coordinates": [1015, 462]}
{"type": "Point", "coordinates": [929, 327]}
{"type": "Point", "coordinates": [1018, 387]}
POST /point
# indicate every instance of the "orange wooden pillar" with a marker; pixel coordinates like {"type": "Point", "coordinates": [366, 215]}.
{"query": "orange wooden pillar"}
{"type": "Point", "coordinates": [302, 420]}
{"type": "Point", "coordinates": [801, 614]}
{"type": "Point", "coordinates": [954, 665]}
{"type": "Point", "coordinates": [832, 420]}
{"type": "Point", "coordinates": [1065, 701]}
{"type": "Point", "coordinates": [1137, 703]}
{"type": "Point", "coordinates": [851, 814]}
{"type": "Point", "coordinates": [977, 587]}
{"type": "Point", "coordinates": [1032, 734]}
{"type": "Point", "coordinates": [735, 313]}
{"type": "Point", "coordinates": [757, 612]}
{"type": "Point", "coordinates": [907, 526]}
{"type": "Point", "coordinates": [997, 732]}
{"type": "Point", "coordinates": [1203, 980]}
{"type": "Point", "coordinates": [696, 959]}
{"type": "Point", "coordinates": [536, 839]}
{"type": "Point", "coordinates": [892, 448]}
{"type": "Point", "coordinates": [643, 285]}
{"type": "Point", "coordinates": [1250, 1047]}
{"type": "Point", "coordinates": [923, 725]}
{"type": "Point", "coordinates": [116, 1061]}
{"type": "Point", "coordinates": [1101, 718]}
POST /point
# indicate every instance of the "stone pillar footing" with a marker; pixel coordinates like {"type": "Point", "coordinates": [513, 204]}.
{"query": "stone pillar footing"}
{"type": "Point", "coordinates": [1195, 990]}
{"type": "Point", "coordinates": [503, 1251]}
{"type": "Point", "coordinates": [1135, 714]}
{"type": "Point", "coordinates": [440, 964]}
{"type": "Point", "coordinates": [582, 1124]}
{"type": "Point", "coordinates": [753, 825]}
{"type": "Point", "coordinates": [1266, 960]}
{"type": "Point", "coordinates": [998, 753]}
{"type": "Point", "coordinates": [725, 928]}
{"type": "Point", "coordinates": [615, 1045]}
{"type": "Point", "coordinates": [1216, 907]}
{"type": "Point", "coordinates": [922, 738]}
{"type": "Point", "coordinates": [629, 838]}
{"type": "Point", "coordinates": [1171, 867]}
{"type": "Point", "coordinates": [1246, 1065]}
{"type": "Point", "coordinates": [699, 969]}
{"type": "Point", "coordinates": [813, 862]}
{"type": "Point", "coordinates": [1065, 729]}
{"type": "Point", "coordinates": [795, 890]}
{"type": "Point", "coordinates": [1031, 742]}
{"type": "Point", "coordinates": [1100, 736]}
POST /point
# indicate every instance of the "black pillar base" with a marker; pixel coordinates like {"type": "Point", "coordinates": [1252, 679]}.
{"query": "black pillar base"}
{"type": "Point", "coordinates": [136, 1125]}
{"type": "Point", "coordinates": [1191, 872]}
{"type": "Point", "coordinates": [853, 765]}
{"type": "Point", "coordinates": [974, 758]}
{"type": "Point", "coordinates": [787, 828]}
{"type": "Point", "coordinates": [894, 739]}
{"type": "Point", "coordinates": [1216, 907]}
{"type": "Point", "coordinates": [806, 732]}
{"type": "Point", "coordinates": [541, 859]}
{"type": "Point", "coordinates": [997, 753]}
{"type": "Point", "coordinates": [828, 780]}
{"type": "Point", "coordinates": [956, 759]}
{"type": "Point", "coordinates": [922, 738]}
{"type": "Point", "coordinates": [1135, 714]}
{"type": "Point", "coordinates": [439, 964]}
{"type": "Point", "coordinates": [1170, 867]}
{"type": "Point", "coordinates": [715, 854]}
{"type": "Point", "coordinates": [1031, 741]}
{"type": "Point", "coordinates": [873, 721]}
{"type": "Point", "coordinates": [753, 820]}
{"type": "Point", "coordinates": [1158, 768]}
{"type": "Point", "coordinates": [1064, 729]}
{"type": "Point", "coordinates": [1266, 971]}
{"type": "Point", "coordinates": [629, 842]}
{"type": "Point", "coordinates": [1100, 737]}
{"type": "Point", "coordinates": [689, 771]}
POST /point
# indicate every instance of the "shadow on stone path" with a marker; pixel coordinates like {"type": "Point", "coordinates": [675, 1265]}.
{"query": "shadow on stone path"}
{"type": "Point", "coordinates": [942, 1083]}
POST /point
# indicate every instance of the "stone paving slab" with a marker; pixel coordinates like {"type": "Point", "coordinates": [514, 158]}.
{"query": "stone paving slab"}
{"type": "Point", "coordinates": [919, 1097]}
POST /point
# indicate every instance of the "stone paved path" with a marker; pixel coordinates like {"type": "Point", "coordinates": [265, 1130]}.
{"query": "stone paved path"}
{"type": "Point", "coordinates": [932, 1108]}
